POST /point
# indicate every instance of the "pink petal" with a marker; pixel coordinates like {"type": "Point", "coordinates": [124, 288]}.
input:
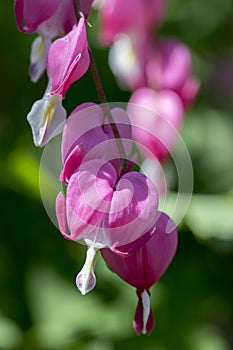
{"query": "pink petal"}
{"type": "Point", "coordinates": [133, 209]}
{"type": "Point", "coordinates": [155, 118]}
{"type": "Point", "coordinates": [68, 59]}
{"type": "Point", "coordinates": [147, 264]}
{"type": "Point", "coordinates": [88, 197]}
{"type": "Point", "coordinates": [129, 248]}
{"type": "Point", "coordinates": [33, 13]}
{"type": "Point", "coordinates": [87, 135]}
{"type": "Point", "coordinates": [61, 214]}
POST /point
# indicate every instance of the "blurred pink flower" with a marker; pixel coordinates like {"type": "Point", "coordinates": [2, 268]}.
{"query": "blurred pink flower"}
{"type": "Point", "coordinates": [134, 17]}
{"type": "Point", "coordinates": [155, 119]}
{"type": "Point", "coordinates": [170, 67]}
{"type": "Point", "coordinates": [105, 210]}
{"type": "Point", "coordinates": [145, 266]}
{"type": "Point", "coordinates": [161, 65]}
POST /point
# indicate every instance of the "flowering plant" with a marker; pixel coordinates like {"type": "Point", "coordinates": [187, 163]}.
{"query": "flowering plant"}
{"type": "Point", "coordinates": [109, 204]}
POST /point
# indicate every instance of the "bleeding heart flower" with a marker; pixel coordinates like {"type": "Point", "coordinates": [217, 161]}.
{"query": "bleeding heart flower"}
{"type": "Point", "coordinates": [49, 19]}
{"type": "Point", "coordinates": [88, 135]}
{"type": "Point", "coordinates": [105, 210]}
{"type": "Point", "coordinates": [135, 17]}
{"type": "Point", "coordinates": [68, 60]}
{"type": "Point", "coordinates": [145, 266]}
{"type": "Point", "coordinates": [170, 67]}
{"type": "Point", "coordinates": [155, 119]}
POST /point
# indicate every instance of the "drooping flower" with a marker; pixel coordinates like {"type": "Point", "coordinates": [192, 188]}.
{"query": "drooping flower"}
{"type": "Point", "coordinates": [105, 210]}
{"type": "Point", "coordinates": [162, 65]}
{"type": "Point", "coordinates": [134, 17]}
{"type": "Point", "coordinates": [68, 60]}
{"type": "Point", "coordinates": [49, 19]}
{"type": "Point", "coordinates": [126, 60]}
{"type": "Point", "coordinates": [144, 267]}
{"type": "Point", "coordinates": [88, 135]}
{"type": "Point", "coordinates": [170, 67]}
{"type": "Point", "coordinates": [155, 119]}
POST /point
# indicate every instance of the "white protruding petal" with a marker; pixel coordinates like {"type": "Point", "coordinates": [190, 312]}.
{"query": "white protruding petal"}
{"type": "Point", "coordinates": [86, 279]}
{"type": "Point", "coordinates": [38, 55]}
{"type": "Point", "coordinates": [123, 60]}
{"type": "Point", "coordinates": [47, 118]}
{"type": "Point", "coordinates": [146, 309]}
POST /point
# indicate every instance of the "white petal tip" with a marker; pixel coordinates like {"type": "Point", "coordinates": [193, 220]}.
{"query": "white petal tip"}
{"type": "Point", "coordinates": [86, 279]}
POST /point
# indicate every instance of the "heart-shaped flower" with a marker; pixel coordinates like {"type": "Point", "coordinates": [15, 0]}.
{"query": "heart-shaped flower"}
{"type": "Point", "coordinates": [145, 266]}
{"type": "Point", "coordinates": [104, 210]}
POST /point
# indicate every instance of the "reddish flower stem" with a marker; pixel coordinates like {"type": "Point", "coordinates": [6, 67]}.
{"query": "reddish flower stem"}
{"type": "Point", "coordinates": [103, 99]}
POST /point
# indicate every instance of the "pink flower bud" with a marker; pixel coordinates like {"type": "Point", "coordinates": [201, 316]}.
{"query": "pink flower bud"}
{"type": "Point", "coordinates": [68, 59]}
{"type": "Point", "coordinates": [145, 266]}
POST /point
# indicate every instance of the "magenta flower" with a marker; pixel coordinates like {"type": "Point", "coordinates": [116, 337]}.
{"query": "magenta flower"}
{"type": "Point", "coordinates": [166, 65]}
{"type": "Point", "coordinates": [144, 267]}
{"type": "Point", "coordinates": [105, 210]}
{"type": "Point", "coordinates": [88, 135]}
{"type": "Point", "coordinates": [155, 119]}
{"type": "Point", "coordinates": [134, 17]}
{"type": "Point", "coordinates": [68, 60]}
{"type": "Point", "coordinates": [49, 19]}
{"type": "Point", "coordinates": [170, 67]}
{"type": "Point", "coordinates": [31, 14]}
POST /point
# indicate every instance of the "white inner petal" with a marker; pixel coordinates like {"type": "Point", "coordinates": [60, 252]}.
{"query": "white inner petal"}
{"type": "Point", "coordinates": [146, 309]}
{"type": "Point", "coordinates": [86, 279]}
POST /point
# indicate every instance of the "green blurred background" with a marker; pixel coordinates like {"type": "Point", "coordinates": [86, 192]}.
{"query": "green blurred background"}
{"type": "Point", "coordinates": [40, 307]}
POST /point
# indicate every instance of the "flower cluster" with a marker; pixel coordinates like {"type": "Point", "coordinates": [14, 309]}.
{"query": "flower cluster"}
{"type": "Point", "coordinates": [108, 204]}
{"type": "Point", "coordinates": [158, 71]}
{"type": "Point", "coordinates": [66, 58]}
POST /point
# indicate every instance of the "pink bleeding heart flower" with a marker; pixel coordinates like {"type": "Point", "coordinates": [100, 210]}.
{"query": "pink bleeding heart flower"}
{"type": "Point", "coordinates": [88, 135]}
{"type": "Point", "coordinates": [170, 67]}
{"type": "Point", "coordinates": [30, 14]}
{"type": "Point", "coordinates": [105, 210]}
{"type": "Point", "coordinates": [49, 19]}
{"type": "Point", "coordinates": [68, 60]}
{"type": "Point", "coordinates": [164, 65]}
{"type": "Point", "coordinates": [155, 119]}
{"type": "Point", "coordinates": [144, 267]}
{"type": "Point", "coordinates": [116, 17]}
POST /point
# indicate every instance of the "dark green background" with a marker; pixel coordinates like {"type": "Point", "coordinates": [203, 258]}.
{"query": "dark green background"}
{"type": "Point", "coordinates": [40, 307]}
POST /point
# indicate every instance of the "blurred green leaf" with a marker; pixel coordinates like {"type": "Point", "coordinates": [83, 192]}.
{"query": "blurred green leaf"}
{"type": "Point", "coordinates": [210, 216]}
{"type": "Point", "coordinates": [10, 334]}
